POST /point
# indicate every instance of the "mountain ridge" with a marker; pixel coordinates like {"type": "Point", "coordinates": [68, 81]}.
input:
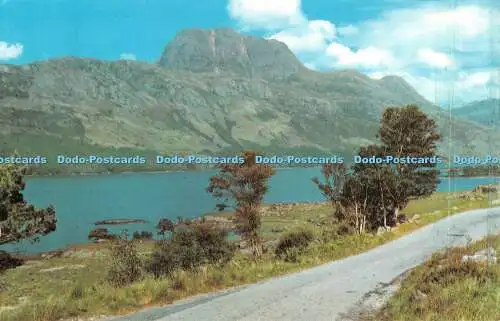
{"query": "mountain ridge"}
{"type": "Point", "coordinates": [485, 112]}
{"type": "Point", "coordinates": [190, 107]}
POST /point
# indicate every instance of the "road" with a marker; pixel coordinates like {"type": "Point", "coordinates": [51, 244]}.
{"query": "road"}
{"type": "Point", "coordinates": [325, 292]}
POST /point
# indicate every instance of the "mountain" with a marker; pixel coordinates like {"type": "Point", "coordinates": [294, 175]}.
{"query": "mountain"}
{"type": "Point", "coordinates": [211, 91]}
{"type": "Point", "coordinates": [224, 50]}
{"type": "Point", "coordinates": [486, 112]}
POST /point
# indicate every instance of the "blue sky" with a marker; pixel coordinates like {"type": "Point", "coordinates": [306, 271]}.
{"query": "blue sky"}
{"type": "Point", "coordinates": [408, 38]}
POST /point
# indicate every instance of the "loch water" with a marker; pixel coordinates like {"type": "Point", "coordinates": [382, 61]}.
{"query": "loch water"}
{"type": "Point", "coordinates": [80, 201]}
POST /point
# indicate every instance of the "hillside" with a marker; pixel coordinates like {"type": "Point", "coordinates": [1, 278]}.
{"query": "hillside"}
{"type": "Point", "coordinates": [485, 112]}
{"type": "Point", "coordinates": [211, 91]}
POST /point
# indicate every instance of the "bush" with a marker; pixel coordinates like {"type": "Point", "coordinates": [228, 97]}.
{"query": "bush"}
{"type": "Point", "coordinates": [143, 235]}
{"type": "Point", "coordinates": [126, 264]}
{"type": "Point", "coordinates": [448, 274]}
{"type": "Point", "coordinates": [7, 261]}
{"type": "Point", "coordinates": [189, 248]}
{"type": "Point", "coordinates": [333, 232]}
{"type": "Point", "coordinates": [344, 229]}
{"type": "Point", "coordinates": [101, 233]}
{"type": "Point", "coordinates": [165, 225]}
{"type": "Point", "coordinates": [293, 244]}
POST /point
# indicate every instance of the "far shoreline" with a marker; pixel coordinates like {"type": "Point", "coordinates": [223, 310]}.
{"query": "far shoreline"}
{"type": "Point", "coordinates": [187, 170]}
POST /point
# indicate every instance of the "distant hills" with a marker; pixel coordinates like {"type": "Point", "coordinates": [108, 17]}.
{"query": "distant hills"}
{"type": "Point", "coordinates": [211, 91]}
{"type": "Point", "coordinates": [485, 112]}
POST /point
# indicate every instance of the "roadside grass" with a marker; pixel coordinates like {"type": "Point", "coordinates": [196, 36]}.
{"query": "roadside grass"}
{"type": "Point", "coordinates": [71, 286]}
{"type": "Point", "coordinates": [445, 289]}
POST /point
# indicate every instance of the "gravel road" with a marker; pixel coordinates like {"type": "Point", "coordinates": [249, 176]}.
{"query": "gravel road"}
{"type": "Point", "coordinates": [326, 292]}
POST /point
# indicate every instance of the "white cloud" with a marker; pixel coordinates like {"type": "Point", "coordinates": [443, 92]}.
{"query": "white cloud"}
{"type": "Point", "coordinates": [420, 39]}
{"type": "Point", "coordinates": [313, 36]}
{"type": "Point", "coordinates": [438, 88]}
{"type": "Point", "coordinates": [412, 42]}
{"type": "Point", "coordinates": [434, 59]}
{"type": "Point", "coordinates": [475, 79]}
{"type": "Point", "coordinates": [311, 66]}
{"type": "Point", "coordinates": [349, 30]}
{"type": "Point", "coordinates": [426, 25]}
{"type": "Point", "coordinates": [127, 56]}
{"type": "Point", "coordinates": [369, 57]}
{"type": "Point", "coordinates": [10, 51]}
{"type": "Point", "coordinates": [268, 14]}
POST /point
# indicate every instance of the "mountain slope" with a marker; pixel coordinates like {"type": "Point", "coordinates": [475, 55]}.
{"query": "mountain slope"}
{"type": "Point", "coordinates": [239, 93]}
{"type": "Point", "coordinates": [486, 112]}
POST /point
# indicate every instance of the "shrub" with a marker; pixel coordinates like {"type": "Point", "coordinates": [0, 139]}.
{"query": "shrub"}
{"type": "Point", "coordinates": [7, 261]}
{"type": "Point", "coordinates": [165, 225]}
{"type": "Point", "coordinates": [333, 232]}
{"type": "Point", "coordinates": [344, 229]}
{"type": "Point", "coordinates": [143, 235]}
{"type": "Point", "coordinates": [293, 244]}
{"type": "Point", "coordinates": [448, 274]}
{"type": "Point", "coordinates": [126, 264]}
{"type": "Point", "coordinates": [101, 233]}
{"type": "Point", "coordinates": [190, 248]}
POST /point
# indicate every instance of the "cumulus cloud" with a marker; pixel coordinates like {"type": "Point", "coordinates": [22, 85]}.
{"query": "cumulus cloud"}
{"type": "Point", "coordinates": [349, 30]}
{"type": "Point", "coordinates": [127, 56]}
{"type": "Point", "coordinates": [438, 88]}
{"type": "Point", "coordinates": [413, 42]}
{"type": "Point", "coordinates": [270, 14]}
{"type": "Point", "coordinates": [285, 21]}
{"type": "Point", "coordinates": [434, 59]}
{"type": "Point", "coordinates": [369, 57]}
{"type": "Point", "coordinates": [10, 51]}
{"type": "Point", "coordinates": [421, 39]}
{"type": "Point", "coordinates": [312, 36]}
{"type": "Point", "coordinates": [415, 45]}
{"type": "Point", "coordinates": [429, 26]}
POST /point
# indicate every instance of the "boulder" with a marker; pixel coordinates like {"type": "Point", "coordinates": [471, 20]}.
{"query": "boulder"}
{"type": "Point", "coordinates": [488, 255]}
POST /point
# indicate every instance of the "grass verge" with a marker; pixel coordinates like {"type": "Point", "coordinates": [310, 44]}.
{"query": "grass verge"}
{"type": "Point", "coordinates": [73, 285]}
{"type": "Point", "coordinates": [446, 289]}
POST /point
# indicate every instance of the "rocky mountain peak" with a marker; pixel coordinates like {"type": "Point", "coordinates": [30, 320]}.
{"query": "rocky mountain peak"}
{"type": "Point", "coordinates": [224, 50]}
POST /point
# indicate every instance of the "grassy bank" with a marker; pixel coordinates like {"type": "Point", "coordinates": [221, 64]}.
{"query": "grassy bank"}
{"type": "Point", "coordinates": [73, 284]}
{"type": "Point", "coordinates": [446, 289]}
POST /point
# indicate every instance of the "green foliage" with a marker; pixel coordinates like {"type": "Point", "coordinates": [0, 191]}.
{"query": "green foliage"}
{"type": "Point", "coordinates": [293, 244]}
{"type": "Point", "coordinates": [101, 233]}
{"type": "Point", "coordinates": [372, 195]}
{"type": "Point", "coordinates": [165, 225]}
{"type": "Point", "coordinates": [245, 185]}
{"type": "Point", "coordinates": [18, 219]}
{"type": "Point", "coordinates": [142, 235]}
{"type": "Point", "coordinates": [126, 264]}
{"type": "Point", "coordinates": [189, 248]}
{"type": "Point", "coordinates": [8, 262]}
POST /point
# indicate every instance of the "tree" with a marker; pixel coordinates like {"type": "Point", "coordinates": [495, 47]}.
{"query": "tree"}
{"type": "Point", "coordinates": [372, 195]}
{"type": "Point", "coordinates": [335, 177]}
{"type": "Point", "coordinates": [245, 185]}
{"type": "Point", "coordinates": [408, 131]}
{"type": "Point", "coordinates": [18, 219]}
{"type": "Point", "coordinates": [165, 225]}
{"type": "Point", "coordinates": [378, 182]}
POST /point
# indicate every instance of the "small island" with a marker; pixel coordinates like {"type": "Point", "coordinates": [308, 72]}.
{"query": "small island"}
{"type": "Point", "coordinates": [119, 221]}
